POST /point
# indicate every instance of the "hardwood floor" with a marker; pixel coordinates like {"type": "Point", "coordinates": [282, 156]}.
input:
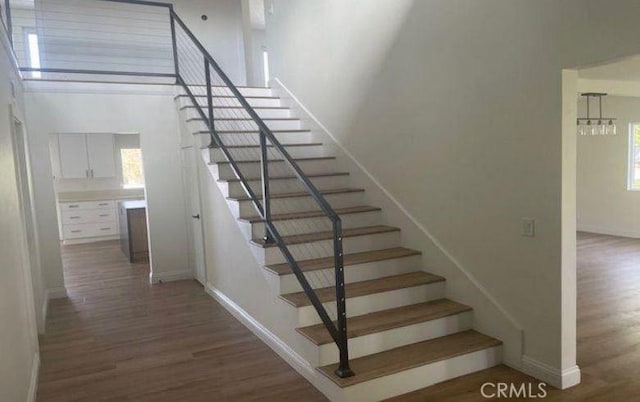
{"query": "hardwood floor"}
{"type": "Point", "coordinates": [608, 332]}
{"type": "Point", "coordinates": [117, 338]}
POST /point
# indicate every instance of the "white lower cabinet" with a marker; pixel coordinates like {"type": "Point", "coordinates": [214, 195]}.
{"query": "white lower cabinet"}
{"type": "Point", "coordinates": [88, 221]}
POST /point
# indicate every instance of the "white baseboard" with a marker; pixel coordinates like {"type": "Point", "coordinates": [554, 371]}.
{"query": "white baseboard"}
{"type": "Point", "coordinates": [608, 231]}
{"type": "Point", "coordinates": [33, 382]}
{"type": "Point", "coordinates": [55, 293]}
{"type": "Point", "coordinates": [43, 316]}
{"type": "Point", "coordinates": [556, 377]}
{"type": "Point", "coordinates": [157, 277]}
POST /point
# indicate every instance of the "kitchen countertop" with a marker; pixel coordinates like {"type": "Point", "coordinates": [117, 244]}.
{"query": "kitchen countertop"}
{"type": "Point", "coordinates": [134, 204]}
{"type": "Point", "coordinates": [73, 196]}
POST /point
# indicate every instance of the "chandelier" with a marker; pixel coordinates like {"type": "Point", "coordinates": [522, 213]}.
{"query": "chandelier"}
{"type": "Point", "coordinates": [596, 125]}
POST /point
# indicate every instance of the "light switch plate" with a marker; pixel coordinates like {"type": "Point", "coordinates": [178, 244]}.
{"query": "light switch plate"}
{"type": "Point", "coordinates": [528, 227]}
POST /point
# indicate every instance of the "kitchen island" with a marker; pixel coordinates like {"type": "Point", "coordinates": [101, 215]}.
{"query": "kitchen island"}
{"type": "Point", "coordinates": [133, 230]}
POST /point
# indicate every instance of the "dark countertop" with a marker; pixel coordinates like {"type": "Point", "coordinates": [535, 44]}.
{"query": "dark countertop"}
{"type": "Point", "coordinates": [133, 204]}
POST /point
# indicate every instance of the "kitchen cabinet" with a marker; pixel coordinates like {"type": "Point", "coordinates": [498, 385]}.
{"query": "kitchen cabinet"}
{"type": "Point", "coordinates": [88, 221]}
{"type": "Point", "coordinates": [86, 156]}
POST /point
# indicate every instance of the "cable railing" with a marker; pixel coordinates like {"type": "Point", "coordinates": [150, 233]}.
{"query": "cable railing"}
{"type": "Point", "coordinates": [72, 35]}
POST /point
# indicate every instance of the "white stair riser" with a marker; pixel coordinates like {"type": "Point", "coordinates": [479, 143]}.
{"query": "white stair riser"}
{"type": "Point", "coordinates": [225, 91]}
{"type": "Point", "coordinates": [243, 154]}
{"type": "Point", "coordinates": [307, 315]}
{"type": "Point", "coordinates": [235, 189]}
{"type": "Point", "coordinates": [192, 113]}
{"type": "Point", "coordinates": [397, 337]}
{"type": "Point", "coordinates": [324, 248]}
{"type": "Point", "coordinates": [297, 226]}
{"type": "Point", "coordinates": [354, 273]}
{"type": "Point", "coordinates": [423, 376]}
{"type": "Point", "coordinates": [278, 168]}
{"type": "Point", "coordinates": [286, 205]}
{"type": "Point", "coordinates": [253, 102]}
{"type": "Point", "coordinates": [197, 125]}
{"type": "Point", "coordinates": [295, 137]}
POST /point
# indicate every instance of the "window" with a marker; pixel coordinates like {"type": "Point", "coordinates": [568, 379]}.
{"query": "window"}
{"type": "Point", "coordinates": [34, 53]}
{"type": "Point", "coordinates": [132, 175]}
{"type": "Point", "coordinates": [634, 156]}
{"type": "Point", "coordinates": [265, 66]}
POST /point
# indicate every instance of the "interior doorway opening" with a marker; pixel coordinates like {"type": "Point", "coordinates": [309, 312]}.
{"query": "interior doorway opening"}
{"type": "Point", "coordinates": [601, 219]}
{"type": "Point", "coordinates": [99, 185]}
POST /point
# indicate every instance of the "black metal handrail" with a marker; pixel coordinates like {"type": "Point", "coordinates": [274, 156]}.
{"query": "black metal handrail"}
{"type": "Point", "coordinates": [337, 330]}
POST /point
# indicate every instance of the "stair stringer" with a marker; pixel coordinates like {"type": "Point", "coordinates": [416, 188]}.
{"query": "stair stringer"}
{"type": "Point", "coordinates": [490, 317]}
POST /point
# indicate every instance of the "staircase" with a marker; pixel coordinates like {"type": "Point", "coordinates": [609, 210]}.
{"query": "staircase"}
{"type": "Point", "coordinates": [403, 334]}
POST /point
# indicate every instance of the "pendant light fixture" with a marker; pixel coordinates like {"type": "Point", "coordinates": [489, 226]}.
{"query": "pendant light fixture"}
{"type": "Point", "coordinates": [596, 125]}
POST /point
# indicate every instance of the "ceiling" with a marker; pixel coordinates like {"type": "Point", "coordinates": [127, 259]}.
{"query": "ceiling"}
{"type": "Point", "coordinates": [627, 69]}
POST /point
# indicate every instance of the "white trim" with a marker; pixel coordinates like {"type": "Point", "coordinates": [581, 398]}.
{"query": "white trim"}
{"type": "Point", "coordinates": [33, 382]}
{"type": "Point", "coordinates": [157, 277]}
{"type": "Point", "coordinates": [55, 293]}
{"type": "Point", "coordinates": [556, 377]}
{"type": "Point", "coordinates": [42, 325]}
{"type": "Point", "coordinates": [608, 231]}
{"type": "Point", "coordinates": [412, 218]}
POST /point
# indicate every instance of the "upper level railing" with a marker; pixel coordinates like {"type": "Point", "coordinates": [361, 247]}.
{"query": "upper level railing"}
{"type": "Point", "coordinates": [84, 39]}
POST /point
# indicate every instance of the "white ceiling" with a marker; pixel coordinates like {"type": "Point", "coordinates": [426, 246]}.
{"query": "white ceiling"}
{"type": "Point", "coordinates": [624, 70]}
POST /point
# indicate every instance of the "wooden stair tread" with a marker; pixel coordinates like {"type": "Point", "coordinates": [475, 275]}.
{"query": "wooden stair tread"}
{"type": "Point", "coordinates": [291, 145]}
{"type": "Point", "coordinates": [235, 107]}
{"type": "Point", "coordinates": [301, 194]}
{"type": "Point", "coordinates": [311, 158]}
{"type": "Point", "coordinates": [327, 235]}
{"type": "Point", "coordinates": [297, 130]}
{"type": "Point", "coordinates": [310, 175]}
{"type": "Point", "coordinates": [349, 259]}
{"type": "Point", "coordinates": [410, 356]}
{"type": "Point", "coordinates": [228, 96]}
{"type": "Point", "coordinates": [387, 319]}
{"type": "Point", "coordinates": [311, 214]}
{"type": "Point", "coordinates": [244, 119]}
{"type": "Point", "coordinates": [363, 288]}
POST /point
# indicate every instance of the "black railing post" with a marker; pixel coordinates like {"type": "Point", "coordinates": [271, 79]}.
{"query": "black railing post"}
{"type": "Point", "coordinates": [212, 123]}
{"type": "Point", "coordinates": [264, 171]}
{"type": "Point", "coordinates": [343, 369]}
{"type": "Point", "coordinates": [7, 14]}
{"type": "Point", "coordinates": [174, 43]}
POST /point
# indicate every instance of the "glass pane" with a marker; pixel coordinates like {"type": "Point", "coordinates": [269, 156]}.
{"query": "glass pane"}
{"type": "Point", "coordinates": [132, 175]}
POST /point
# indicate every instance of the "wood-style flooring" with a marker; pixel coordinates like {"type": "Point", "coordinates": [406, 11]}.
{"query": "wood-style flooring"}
{"type": "Point", "coordinates": [608, 332]}
{"type": "Point", "coordinates": [117, 338]}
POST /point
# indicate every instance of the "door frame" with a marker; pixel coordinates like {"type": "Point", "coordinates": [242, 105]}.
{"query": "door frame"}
{"type": "Point", "coordinates": [192, 153]}
{"type": "Point", "coordinates": [32, 264]}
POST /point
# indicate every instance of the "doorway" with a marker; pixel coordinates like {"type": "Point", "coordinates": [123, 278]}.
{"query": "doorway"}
{"type": "Point", "coordinates": [25, 198]}
{"type": "Point", "coordinates": [193, 211]}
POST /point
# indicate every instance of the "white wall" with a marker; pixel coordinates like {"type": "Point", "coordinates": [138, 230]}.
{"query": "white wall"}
{"type": "Point", "coordinates": [221, 33]}
{"type": "Point", "coordinates": [148, 110]}
{"type": "Point", "coordinates": [605, 205]}
{"type": "Point", "coordinates": [463, 101]}
{"type": "Point", "coordinates": [18, 335]}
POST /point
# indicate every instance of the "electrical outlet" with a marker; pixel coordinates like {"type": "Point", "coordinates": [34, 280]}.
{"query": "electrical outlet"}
{"type": "Point", "coordinates": [528, 228]}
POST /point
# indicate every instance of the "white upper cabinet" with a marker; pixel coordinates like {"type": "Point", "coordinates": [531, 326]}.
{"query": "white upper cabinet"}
{"type": "Point", "coordinates": [100, 151]}
{"type": "Point", "coordinates": [86, 155]}
{"type": "Point", "coordinates": [74, 163]}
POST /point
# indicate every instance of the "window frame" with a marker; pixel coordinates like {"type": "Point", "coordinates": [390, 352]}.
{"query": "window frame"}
{"type": "Point", "coordinates": [131, 186]}
{"type": "Point", "coordinates": [631, 171]}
